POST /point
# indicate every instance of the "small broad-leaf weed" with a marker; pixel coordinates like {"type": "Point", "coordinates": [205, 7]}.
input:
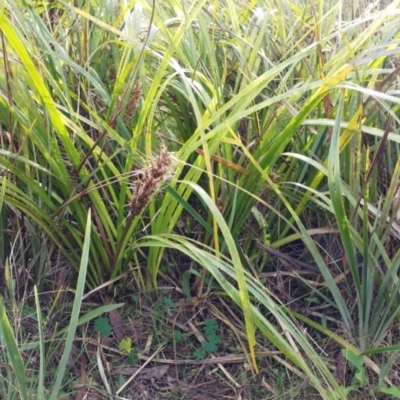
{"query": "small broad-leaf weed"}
{"type": "Point", "coordinates": [178, 336]}
{"type": "Point", "coordinates": [133, 356]}
{"type": "Point", "coordinates": [125, 345]}
{"type": "Point", "coordinates": [360, 379]}
{"type": "Point", "coordinates": [169, 302]}
{"type": "Point", "coordinates": [211, 344]}
{"type": "Point", "coordinates": [210, 326]}
{"type": "Point", "coordinates": [102, 326]}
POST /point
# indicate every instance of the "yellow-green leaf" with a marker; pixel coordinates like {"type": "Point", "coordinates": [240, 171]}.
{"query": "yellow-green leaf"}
{"type": "Point", "coordinates": [125, 345]}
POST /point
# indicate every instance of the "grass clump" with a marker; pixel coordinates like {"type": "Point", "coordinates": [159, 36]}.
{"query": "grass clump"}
{"type": "Point", "coordinates": [244, 152]}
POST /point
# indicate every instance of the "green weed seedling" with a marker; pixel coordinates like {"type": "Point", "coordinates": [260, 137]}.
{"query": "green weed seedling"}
{"type": "Point", "coordinates": [178, 336]}
{"type": "Point", "coordinates": [360, 380]}
{"type": "Point", "coordinates": [168, 302]}
{"type": "Point", "coordinates": [102, 326]}
{"type": "Point", "coordinates": [165, 307]}
{"type": "Point", "coordinates": [211, 344]}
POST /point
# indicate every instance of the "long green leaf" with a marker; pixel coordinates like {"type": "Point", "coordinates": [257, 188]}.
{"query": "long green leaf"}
{"type": "Point", "coordinates": [40, 389]}
{"type": "Point", "coordinates": [239, 269]}
{"type": "Point", "coordinates": [75, 312]}
{"type": "Point", "coordinates": [7, 336]}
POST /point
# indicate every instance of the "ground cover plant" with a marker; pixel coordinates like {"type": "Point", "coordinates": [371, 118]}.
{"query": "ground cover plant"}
{"type": "Point", "coordinates": [168, 164]}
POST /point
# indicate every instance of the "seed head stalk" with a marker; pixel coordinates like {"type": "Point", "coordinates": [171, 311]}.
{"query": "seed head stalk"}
{"type": "Point", "coordinates": [150, 181]}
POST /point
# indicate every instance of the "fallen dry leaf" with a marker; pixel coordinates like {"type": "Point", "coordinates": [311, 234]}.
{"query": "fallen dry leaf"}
{"type": "Point", "coordinates": [72, 359]}
{"type": "Point", "coordinates": [172, 382]}
{"type": "Point", "coordinates": [116, 323]}
{"type": "Point", "coordinates": [83, 369]}
{"type": "Point", "coordinates": [146, 373]}
{"type": "Point", "coordinates": [81, 392]}
{"type": "Point", "coordinates": [341, 368]}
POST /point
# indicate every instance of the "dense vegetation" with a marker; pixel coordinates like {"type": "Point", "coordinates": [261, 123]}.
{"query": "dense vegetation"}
{"type": "Point", "coordinates": [231, 162]}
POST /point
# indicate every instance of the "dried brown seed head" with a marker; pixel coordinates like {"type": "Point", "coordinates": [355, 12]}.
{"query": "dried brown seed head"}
{"type": "Point", "coordinates": [150, 181]}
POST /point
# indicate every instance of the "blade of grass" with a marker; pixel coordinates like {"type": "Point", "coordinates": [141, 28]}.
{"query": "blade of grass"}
{"type": "Point", "coordinates": [40, 389]}
{"type": "Point", "coordinates": [236, 261]}
{"type": "Point", "coordinates": [335, 189]}
{"type": "Point", "coordinates": [60, 373]}
{"type": "Point", "coordinates": [7, 336]}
